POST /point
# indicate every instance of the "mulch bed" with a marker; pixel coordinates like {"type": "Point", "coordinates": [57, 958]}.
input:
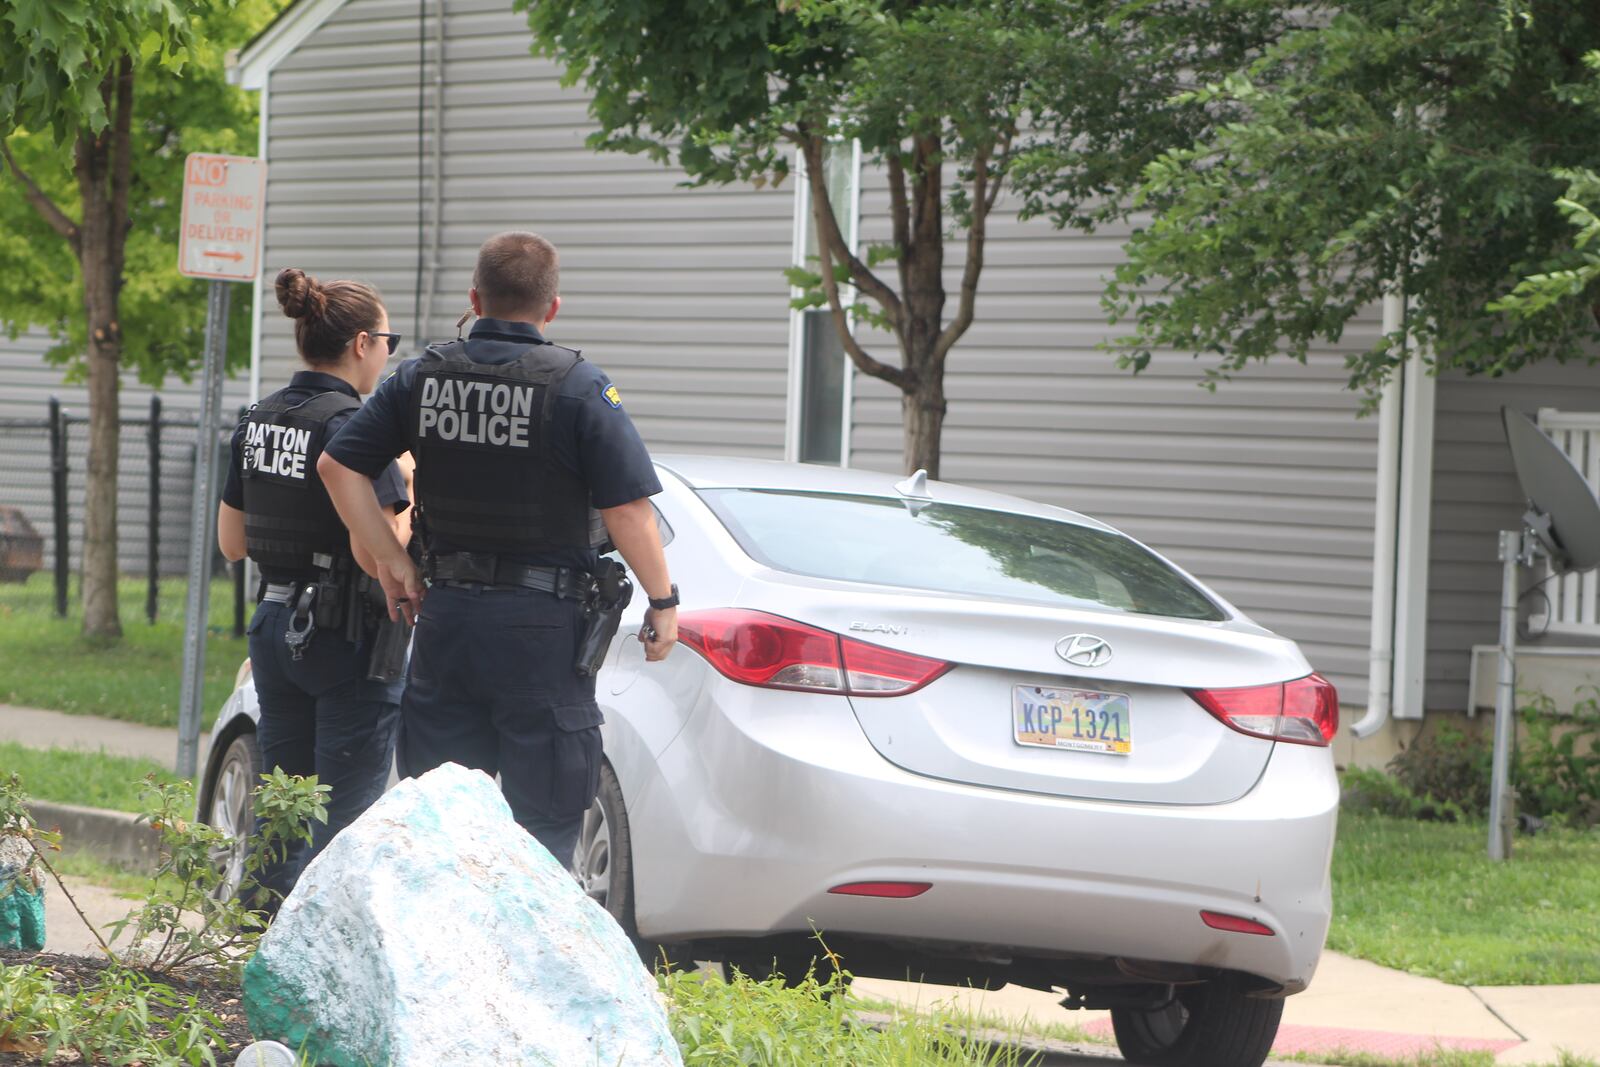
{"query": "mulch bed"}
{"type": "Point", "coordinates": [214, 992]}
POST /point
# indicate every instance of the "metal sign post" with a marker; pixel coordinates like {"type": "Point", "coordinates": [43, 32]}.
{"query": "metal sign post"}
{"type": "Point", "coordinates": [221, 240]}
{"type": "Point", "coordinates": [1516, 550]}
{"type": "Point", "coordinates": [202, 534]}
{"type": "Point", "coordinates": [1562, 524]}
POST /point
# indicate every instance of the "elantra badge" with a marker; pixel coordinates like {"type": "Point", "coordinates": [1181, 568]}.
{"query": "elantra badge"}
{"type": "Point", "coordinates": [1084, 650]}
{"type": "Point", "coordinates": [878, 628]}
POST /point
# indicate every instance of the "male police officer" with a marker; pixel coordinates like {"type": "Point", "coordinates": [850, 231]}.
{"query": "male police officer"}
{"type": "Point", "coordinates": [516, 440]}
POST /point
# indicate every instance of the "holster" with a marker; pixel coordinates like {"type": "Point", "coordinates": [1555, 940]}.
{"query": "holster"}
{"type": "Point", "coordinates": [322, 604]}
{"type": "Point", "coordinates": [335, 577]}
{"type": "Point", "coordinates": [387, 659]}
{"type": "Point", "coordinates": [602, 615]}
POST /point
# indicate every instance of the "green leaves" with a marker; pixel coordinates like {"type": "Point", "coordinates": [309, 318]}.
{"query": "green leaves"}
{"type": "Point", "coordinates": [1570, 275]}
{"type": "Point", "coordinates": [181, 104]}
{"type": "Point", "coordinates": [186, 919]}
{"type": "Point", "coordinates": [1381, 141]}
{"type": "Point", "coordinates": [811, 1021]}
{"type": "Point", "coordinates": [55, 55]}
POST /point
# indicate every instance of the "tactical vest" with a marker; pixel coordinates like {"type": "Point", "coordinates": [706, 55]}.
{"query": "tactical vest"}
{"type": "Point", "coordinates": [288, 516]}
{"type": "Point", "coordinates": [487, 479]}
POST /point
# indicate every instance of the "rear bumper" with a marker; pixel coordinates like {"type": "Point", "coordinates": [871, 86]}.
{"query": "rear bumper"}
{"type": "Point", "coordinates": [777, 803]}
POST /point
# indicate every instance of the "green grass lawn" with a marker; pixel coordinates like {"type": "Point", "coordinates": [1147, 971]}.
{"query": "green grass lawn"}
{"type": "Point", "coordinates": [67, 776]}
{"type": "Point", "coordinates": [1423, 897]}
{"type": "Point", "coordinates": [1441, 1057]}
{"type": "Point", "coordinates": [45, 662]}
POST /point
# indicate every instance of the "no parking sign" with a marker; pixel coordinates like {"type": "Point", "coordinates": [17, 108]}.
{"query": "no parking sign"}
{"type": "Point", "coordinates": [221, 233]}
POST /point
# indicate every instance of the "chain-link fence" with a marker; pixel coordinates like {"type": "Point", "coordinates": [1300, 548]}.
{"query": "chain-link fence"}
{"type": "Point", "coordinates": [42, 507]}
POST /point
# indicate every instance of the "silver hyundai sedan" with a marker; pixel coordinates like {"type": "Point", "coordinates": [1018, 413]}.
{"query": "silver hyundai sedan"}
{"type": "Point", "coordinates": [968, 739]}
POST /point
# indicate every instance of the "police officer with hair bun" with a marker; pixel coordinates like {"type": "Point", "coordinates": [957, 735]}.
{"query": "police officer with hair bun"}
{"type": "Point", "coordinates": [526, 467]}
{"type": "Point", "coordinates": [327, 707]}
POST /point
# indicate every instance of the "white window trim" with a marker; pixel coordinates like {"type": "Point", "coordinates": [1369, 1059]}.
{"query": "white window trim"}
{"type": "Point", "coordinates": [1574, 594]}
{"type": "Point", "coordinates": [298, 21]}
{"type": "Point", "coordinates": [796, 382]}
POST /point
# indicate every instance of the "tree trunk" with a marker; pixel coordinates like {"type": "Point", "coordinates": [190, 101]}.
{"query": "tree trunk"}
{"type": "Point", "coordinates": [922, 411]}
{"type": "Point", "coordinates": [104, 165]}
{"type": "Point", "coordinates": [921, 264]}
{"type": "Point", "coordinates": [100, 616]}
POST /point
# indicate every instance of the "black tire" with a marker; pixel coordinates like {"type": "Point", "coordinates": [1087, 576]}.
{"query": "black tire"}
{"type": "Point", "coordinates": [230, 807]}
{"type": "Point", "coordinates": [603, 861]}
{"type": "Point", "coordinates": [1210, 1025]}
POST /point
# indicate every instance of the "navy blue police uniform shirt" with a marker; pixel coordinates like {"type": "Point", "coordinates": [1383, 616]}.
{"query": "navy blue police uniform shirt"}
{"type": "Point", "coordinates": [388, 482]}
{"type": "Point", "coordinates": [590, 435]}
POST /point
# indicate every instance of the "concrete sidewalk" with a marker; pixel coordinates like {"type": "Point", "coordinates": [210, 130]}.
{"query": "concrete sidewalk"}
{"type": "Point", "coordinates": [1351, 1005]}
{"type": "Point", "coordinates": [54, 729]}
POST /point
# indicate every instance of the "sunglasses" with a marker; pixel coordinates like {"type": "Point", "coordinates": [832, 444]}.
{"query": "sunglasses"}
{"type": "Point", "coordinates": [393, 339]}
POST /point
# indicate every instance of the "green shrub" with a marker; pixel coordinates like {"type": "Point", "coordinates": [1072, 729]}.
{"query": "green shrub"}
{"type": "Point", "coordinates": [186, 919]}
{"type": "Point", "coordinates": [128, 1013]}
{"type": "Point", "coordinates": [813, 1024]}
{"type": "Point", "coordinates": [1369, 791]}
{"type": "Point", "coordinates": [1557, 772]}
{"type": "Point", "coordinates": [1447, 766]}
{"type": "Point", "coordinates": [1444, 773]}
{"type": "Point", "coordinates": [1372, 792]}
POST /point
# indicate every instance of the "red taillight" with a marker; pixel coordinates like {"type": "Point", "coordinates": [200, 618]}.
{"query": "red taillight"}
{"type": "Point", "coordinates": [755, 648]}
{"type": "Point", "coordinates": [1234, 924]}
{"type": "Point", "coordinates": [891, 890]}
{"type": "Point", "coordinates": [1304, 711]}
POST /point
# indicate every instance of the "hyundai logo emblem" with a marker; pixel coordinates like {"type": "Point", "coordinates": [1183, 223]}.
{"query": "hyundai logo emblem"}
{"type": "Point", "coordinates": [1084, 650]}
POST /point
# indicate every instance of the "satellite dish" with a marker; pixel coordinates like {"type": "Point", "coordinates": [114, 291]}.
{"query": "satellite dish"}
{"type": "Point", "coordinates": [1562, 509]}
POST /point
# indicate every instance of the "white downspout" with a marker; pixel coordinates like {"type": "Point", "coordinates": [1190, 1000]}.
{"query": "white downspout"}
{"type": "Point", "coordinates": [1408, 697]}
{"type": "Point", "coordinates": [797, 257]}
{"type": "Point", "coordinates": [1380, 670]}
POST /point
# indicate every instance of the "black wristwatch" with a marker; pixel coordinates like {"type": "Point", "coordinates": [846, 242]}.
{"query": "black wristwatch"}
{"type": "Point", "coordinates": [668, 601]}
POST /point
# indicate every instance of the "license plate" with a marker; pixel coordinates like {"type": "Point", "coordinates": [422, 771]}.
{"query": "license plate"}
{"type": "Point", "coordinates": [1083, 720]}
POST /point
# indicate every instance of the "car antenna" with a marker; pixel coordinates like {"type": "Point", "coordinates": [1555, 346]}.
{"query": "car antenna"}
{"type": "Point", "coordinates": [914, 491]}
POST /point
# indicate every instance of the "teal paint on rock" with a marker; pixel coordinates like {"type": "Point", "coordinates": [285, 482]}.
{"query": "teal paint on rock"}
{"type": "Point", "coordinates": [434, 930]}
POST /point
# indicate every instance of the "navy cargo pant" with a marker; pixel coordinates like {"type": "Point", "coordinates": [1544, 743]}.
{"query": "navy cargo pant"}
{"type": "Point", "coordinates": [320, 715]}
{"type": "Point", "coordinates": [492, 687]}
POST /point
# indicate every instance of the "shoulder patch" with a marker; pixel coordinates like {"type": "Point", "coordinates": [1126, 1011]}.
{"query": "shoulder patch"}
{"type": "Point", "coordinates": [613, 397]}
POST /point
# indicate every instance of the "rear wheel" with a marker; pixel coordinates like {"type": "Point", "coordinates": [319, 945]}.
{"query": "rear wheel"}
{"type": "Point", "coordinates": [1210, 1025]}
{"type": "Point", "coordinates": [603, 860]}
{"type": "Point", "coordinates": [232, 808]}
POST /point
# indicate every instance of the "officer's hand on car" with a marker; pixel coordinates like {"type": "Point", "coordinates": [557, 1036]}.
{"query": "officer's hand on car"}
{"type": "Point", "coordinates": [660, 632]}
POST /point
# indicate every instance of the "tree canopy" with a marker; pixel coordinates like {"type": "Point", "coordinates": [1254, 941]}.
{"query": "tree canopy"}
{"type": "Point", "coordinates": [182, 104]}
{"type": "Point", "coordinates": [100, 100]}
{"type": "Point", "coordinates": [953, 102]}
{"type": "Point", "coordinates": [1427, 143]}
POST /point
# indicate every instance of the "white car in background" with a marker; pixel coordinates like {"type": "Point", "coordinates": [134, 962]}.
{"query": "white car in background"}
{"type": "Point", "coordinates": [970, 739]}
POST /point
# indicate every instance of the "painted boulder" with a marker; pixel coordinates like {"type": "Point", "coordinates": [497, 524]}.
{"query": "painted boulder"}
{"type": "Point", "coordinates": [435, 930]}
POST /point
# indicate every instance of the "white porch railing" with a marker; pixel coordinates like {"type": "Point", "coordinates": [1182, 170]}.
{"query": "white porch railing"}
{"type": "Point", "coordinates": [1573, 607]}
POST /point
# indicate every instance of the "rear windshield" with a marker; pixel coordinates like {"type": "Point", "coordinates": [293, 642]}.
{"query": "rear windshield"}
{"type": "Point", "coordinates": [953, 549]}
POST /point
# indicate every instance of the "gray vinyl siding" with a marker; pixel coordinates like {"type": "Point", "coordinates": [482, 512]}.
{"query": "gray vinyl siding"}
{"type": "Point", "coordinates": [27, 382]}
{"type": "Point", "coordinates": [1475, 495]}
{"type": "Point", "coordinates": [1265, 489]}
{"type": "Point", "coordinates": [678, 294]}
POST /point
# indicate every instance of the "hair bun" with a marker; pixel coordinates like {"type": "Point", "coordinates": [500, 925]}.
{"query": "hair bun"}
{"type": "Point", "coordinates": [299, 294]}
